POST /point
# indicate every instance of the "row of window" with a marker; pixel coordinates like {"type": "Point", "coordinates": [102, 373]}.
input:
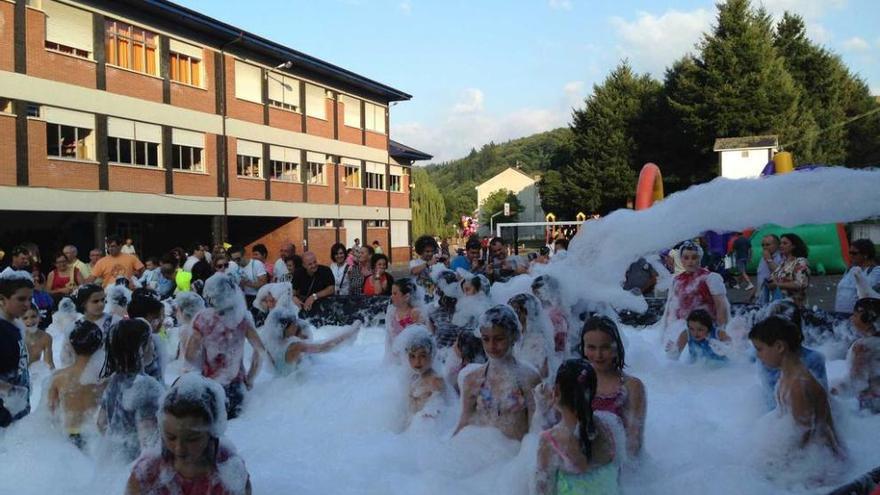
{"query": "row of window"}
{"type": "Point", "coordinates": [328, 223]}
{"type": "Point", "coordinates": [69, 30]}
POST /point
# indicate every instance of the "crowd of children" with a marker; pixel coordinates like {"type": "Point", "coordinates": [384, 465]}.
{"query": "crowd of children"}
{"type": "Point", "coordinates": [531, 365]}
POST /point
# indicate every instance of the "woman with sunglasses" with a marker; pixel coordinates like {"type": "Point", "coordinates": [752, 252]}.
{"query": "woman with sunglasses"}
{"type": "Point", "coordinates": [340, 268]}
{"type": "Point", "coordinates": [862, 256]}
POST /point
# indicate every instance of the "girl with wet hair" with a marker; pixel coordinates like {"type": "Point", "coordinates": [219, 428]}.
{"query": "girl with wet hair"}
{"type": "Point", "coordinates": [131, 400]}
{"type": "Point", "coordinates": [546, 289]}
{"type": "Point", "coordinates": [467, 350]}
{"type": "Point", "coordinates": [617, 392]}
{"type": "Point", "coordinates": [577, 455]}
{"type": "Point", "coordinates": [537, 345]}
{"type": "Point", "coordinates": [499, 393]}
{"type": "Point", "coordinates": [187, 305]}
{"type": "Point", "coordinates": [193, 456]}
{"type": "Point", "coordinates": [863, 358]}
{"type": "Point", "coordinates": [425, 397]}
{"type": "Point", "coordinates": [403, 310]}
{"type": "Point", "coordinates": [288, 339]}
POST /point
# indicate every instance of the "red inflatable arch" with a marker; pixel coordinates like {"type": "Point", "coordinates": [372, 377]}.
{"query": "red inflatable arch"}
{"type": "Point", "coordinates": [650, 187]}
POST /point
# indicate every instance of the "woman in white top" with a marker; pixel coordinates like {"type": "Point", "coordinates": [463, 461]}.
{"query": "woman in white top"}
{"type": "Point", "coordinates": [340, 268]}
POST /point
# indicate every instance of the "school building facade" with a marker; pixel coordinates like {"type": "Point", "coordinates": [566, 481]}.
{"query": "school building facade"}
{"type": "Point", "coordinates": [149, 120]}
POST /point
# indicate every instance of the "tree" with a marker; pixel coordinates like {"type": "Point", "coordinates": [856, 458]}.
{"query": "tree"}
{"type": "Point", "coordinates": [428, 207]}
{"type": "Point", "coordinates": [737, 85]}
{"type": "Point", "coordinates": [495, 203]}
{"type": "Point", "coordinates": [605, 144]}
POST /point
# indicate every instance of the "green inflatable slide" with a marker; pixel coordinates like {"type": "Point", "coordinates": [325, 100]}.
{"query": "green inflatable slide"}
{"type": "Point", "coordinates": [827, 244]}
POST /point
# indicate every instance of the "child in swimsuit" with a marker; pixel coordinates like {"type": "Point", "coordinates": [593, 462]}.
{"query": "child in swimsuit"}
{"type": "Point", "coordinates": [425, 397]}
{"type": "Point", "coordinates": [537, 344]}
{"type": "Point", "coordinates": [77, 398]}
{"type": "Point", "coordinates": [499, 393]}
{"type": "Point", "coordinates": [617, 392]}
{"type": "Point", "coordinates": [193, 457]}
{"type": "Point", "coordinates": [577, 455]}
{"type": "Point", "coordinates": [703, 340]}
{"type": "Point", "coordinates": [863, 379]}
{"type": "Point", "coordinates": [402, 312]}
{"type": "Point", "coordinates": [546, 289]}
{"type": "Point", "coordinates": [468, 349]}
{"type": "Point", "coordinates": [288, 341]}
{"type": "Point", "coordinates": [37, 340]}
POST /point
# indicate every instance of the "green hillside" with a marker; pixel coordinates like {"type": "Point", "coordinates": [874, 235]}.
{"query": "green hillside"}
{"type": "Point", "coordinates": [457, 179]}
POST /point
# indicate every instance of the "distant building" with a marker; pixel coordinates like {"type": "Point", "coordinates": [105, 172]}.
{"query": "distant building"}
{"type": "Point", "coordinates": [526, 189]}
{"type": "Point", "coordinates": [741, 157]}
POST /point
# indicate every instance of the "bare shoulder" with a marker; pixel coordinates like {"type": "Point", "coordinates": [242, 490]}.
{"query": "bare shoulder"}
{"type": "Point", "coordinates": [634, 386]}
{"type": "Point", "coordinates": [435, 383]}
{"type": "Point", "coordinates": [530, 375]}
{"type": "Point", "coordinates": [472, 374]}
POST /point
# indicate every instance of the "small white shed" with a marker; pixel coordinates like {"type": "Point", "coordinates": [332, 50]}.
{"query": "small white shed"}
{"type": "Point", "coordinates": [742, 157]}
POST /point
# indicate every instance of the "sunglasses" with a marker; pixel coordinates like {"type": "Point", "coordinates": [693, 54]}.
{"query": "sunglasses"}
{"type": "Point", "coordinates": [221, 266]}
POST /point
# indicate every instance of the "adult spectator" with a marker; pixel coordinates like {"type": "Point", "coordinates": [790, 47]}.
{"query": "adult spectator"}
{"type": "Point", "coordinates": [361, 270]}
{"type": "Point", "coordinates": [252, 271]}
{"type": "Point", "coordinates": [356, 245]}
{"type": "Point", "coordinates": [377, 247]}
{"type": "Point", "coordinates": [70, 252]}
{"type": "Point", "coordinates": [279, 268]}
{"type": "Point", "coordinates": [742, 253]}
{"type": "Point", "coordinates": [420, 268]}
{"type": "Point", "coordinates": [771, 258]}
{"type": "Point", "coordinates": [340, 268]}
{"type": "Point", "coordinates": [116, 264]}
{"type": "Point", "coordinates": [695, 288]}
{"type": "Point", "coordinates": [166, 280]}
{"type": "Point", "coordinates": [20, 258]}
{"type": "Point", "coordinates": [261, 254]}
{"type": "Point", "coordinates": [64, 279]}
{"type": "Point", "coordinates": [94, 256]}
{"type": "Point", "coordinates": [379, 284]}
{"type": "Point", "coordinates": [196, 254]}
{"type": "Point", "coordinates": [501, 267]}
{"type": "Point", "coordinates": [197, 263]}
{"type": "Point", "coordinates": [792, 276]}
{"type": "Point", "coordinates": [641, 278]}
{"type": "Point", "coordinates": [560, 247]}
{"type": "Point", "coordinates": [312, 282]}
{"type": "Point", "coordinates": [862, 255]}
{"type": "Point", "coordinates": [128, 248]}
{"type": "Point", "coordinates": [472, 259]}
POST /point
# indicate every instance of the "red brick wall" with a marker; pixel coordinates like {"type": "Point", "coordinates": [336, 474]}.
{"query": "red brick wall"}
{"type": "Point", "coordinates": [400, 200]}
{"type": "Point", "coordinates": [7, 149]}
{"type": "Point", "coordinates": [193, 184]}
{"type": "Point", "coordinates": [53, 65]}
{"type": "Point", "coordinates": [285, 119]}
{"type": "Point", "coordinates": [239, 109]}
{"type": "Point", "coordinates": [320, 241]}
{"type": "Point", "coordinates": [287, 191]}
{"type": "Point", "coordinates": [377, 198]}
{"type": "Point", "coordinates": [350, 195]}
{"type": "Point", "coordinates": [324, 194]}
{"type": "Point", "coordinates": [56, 173]}
{"type": "Point", "coordinates": [134, 84]}
{"type": "Point", "coordinates": [318, 127]}
{"type": "Point", "coordinates": [201, 99]}
{"type": "Point", "coordinates": [380, 234]}
{"type": "Point", "coordinates": [291, 231]}
{"type": "Point", "coordinates": [7, 36]}
{"type": "Point", "coordinates": [137, 179]}
{"type": "Point", "coordinates": [376, 140]}
{"type": "Point", "coordinates": [346, 133]}
{"type": "Point", "coordinates": [400, 255]}
{"type": "Point", "coordinates": [242, 187]}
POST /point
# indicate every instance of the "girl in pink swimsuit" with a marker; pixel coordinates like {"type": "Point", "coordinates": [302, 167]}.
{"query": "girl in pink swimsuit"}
{"type": "Point", "coordinates": [402, 312]}
{"type": "Point", "coordinates": [617, 392]}
{"type": "Point", "coordinates": [192, 455]}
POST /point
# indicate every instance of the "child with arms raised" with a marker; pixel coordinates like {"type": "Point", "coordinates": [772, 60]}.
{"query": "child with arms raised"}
{"type": "Point", "coordinates": [193, 457]}
{"type": "Point", "coordinates": [798, 393]}
{"type": "Point", "coordinates": [577, 455]}
{"type": "Point", "coordinates": [68, 391]}
{"type": "Point", "coordinates": [288, 341]}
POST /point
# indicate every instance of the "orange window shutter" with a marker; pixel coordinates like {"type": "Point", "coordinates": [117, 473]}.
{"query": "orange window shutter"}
{"type": "Point", "coordinates": [152, 68]}
{"type": "Point", "coordinates": [196, 72]}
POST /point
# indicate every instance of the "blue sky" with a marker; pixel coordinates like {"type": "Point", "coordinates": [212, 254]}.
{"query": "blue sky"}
{"type": "Point", "coordinates": [495, 70]}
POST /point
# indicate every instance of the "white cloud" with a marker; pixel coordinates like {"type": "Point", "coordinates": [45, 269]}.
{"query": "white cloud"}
{"type": "Point", "coordinates": [818, 33]}
{"type": "Point", "coordinates": [856, 44]}
{"type": "Point", "coordinates": [651, 42]}
{"type": "Point", "coordinates": [453, 135]}
{"type": "Point", "coordinates": [406, 7]}
{"type": "Point", "coordinates": [560, 4]}
{"type": "Point", "coordinates": [471, 102]}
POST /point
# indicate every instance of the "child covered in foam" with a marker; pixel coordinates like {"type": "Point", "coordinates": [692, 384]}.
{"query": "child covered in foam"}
{"type": "Point", "coordinates": [704, 341]}
{"type": "Point", "coordinates": [474, 300]}
{"type": "Point", "coordinates": [537, 346]}
{"type": "Point", "coordinates": [193, 457]}
{"type": "Point", "coordinates": [863, 377]}
{"type": "Point", "coordinates": [546, 289]}
{"type": "Point", "coordinates": [405, 309]}
{"type": "Point", "coordinates": [288, 340]}
{"type": "Point", "coordinates": [37, 340]}
{"type": "Point", "coordinates": [426, 395]}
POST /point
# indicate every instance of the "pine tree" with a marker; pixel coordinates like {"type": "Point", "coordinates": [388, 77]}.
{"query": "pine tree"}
{"type": "Point", "coordinates": [737, 85]}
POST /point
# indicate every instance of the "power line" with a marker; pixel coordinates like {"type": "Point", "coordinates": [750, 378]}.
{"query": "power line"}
{"type": "Point", "coordinates": [831, 127]}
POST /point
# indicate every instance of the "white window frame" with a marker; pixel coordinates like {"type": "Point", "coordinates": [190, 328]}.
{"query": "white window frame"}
{"type": "Point", "coordinates": [316, 101]}
{"type": "Point", "coordinates": [395, 183]}
{"type": "Point", "coordinates": [178, 151]}
{"type": "Point", "coordinates": [243, 72]}
{"type": "Point", "coordinates": [374, 118]}
{"type": "Point", "coordinates": [82, 147]}
{"type": "Point", "coordinates": [352, 111]}
{"type": "Point", "coordinates": [321, 223]}
{"type": "Point", "coordinates": [289, 97]}
{"type": "Point", "coordinates": [66, 31]}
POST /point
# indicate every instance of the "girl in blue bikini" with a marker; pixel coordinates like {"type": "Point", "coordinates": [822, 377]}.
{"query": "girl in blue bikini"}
{"type": "Point", "coordinates": [499, 393]}
{"type": "Point", "coordinates": [577, 455]}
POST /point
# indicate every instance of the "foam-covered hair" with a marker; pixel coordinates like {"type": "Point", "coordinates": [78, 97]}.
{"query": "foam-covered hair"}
{"type": "Point", "coordinates": [447, 281]}
{"type": "Point", "coordinates": [282, 317]}
{"type": "Point", "coordinates": [479, 282]}
{"type": "Point", "coordinates": [546, 288]}
{"type": "Point", "coordinates": [86, 337]}
{"type": "Point", "coordinates": [691, 246]}
{"type": "Point", "coordinates": [189, 303]}
{"type": "Point", "coordinates": [194, 395]}
{"type": "Point", "coordinates": [416, 337]}
{"type": "Point", "coordinates": [502, 316]}
{"type": "Point", "coordinates": [10, 274]}
{"type": "Point", "coordinates": [528, 302]}
{"type": "Point", "coordinates": [282, 292]}
{"type": "Point", "coordinates": [118, 296]}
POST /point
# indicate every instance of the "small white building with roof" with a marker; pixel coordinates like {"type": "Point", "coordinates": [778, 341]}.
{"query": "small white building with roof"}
{"type": "Point", "coordinates": [524, 186]}
{"type": "Point", "coordinates": [743, 157]}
